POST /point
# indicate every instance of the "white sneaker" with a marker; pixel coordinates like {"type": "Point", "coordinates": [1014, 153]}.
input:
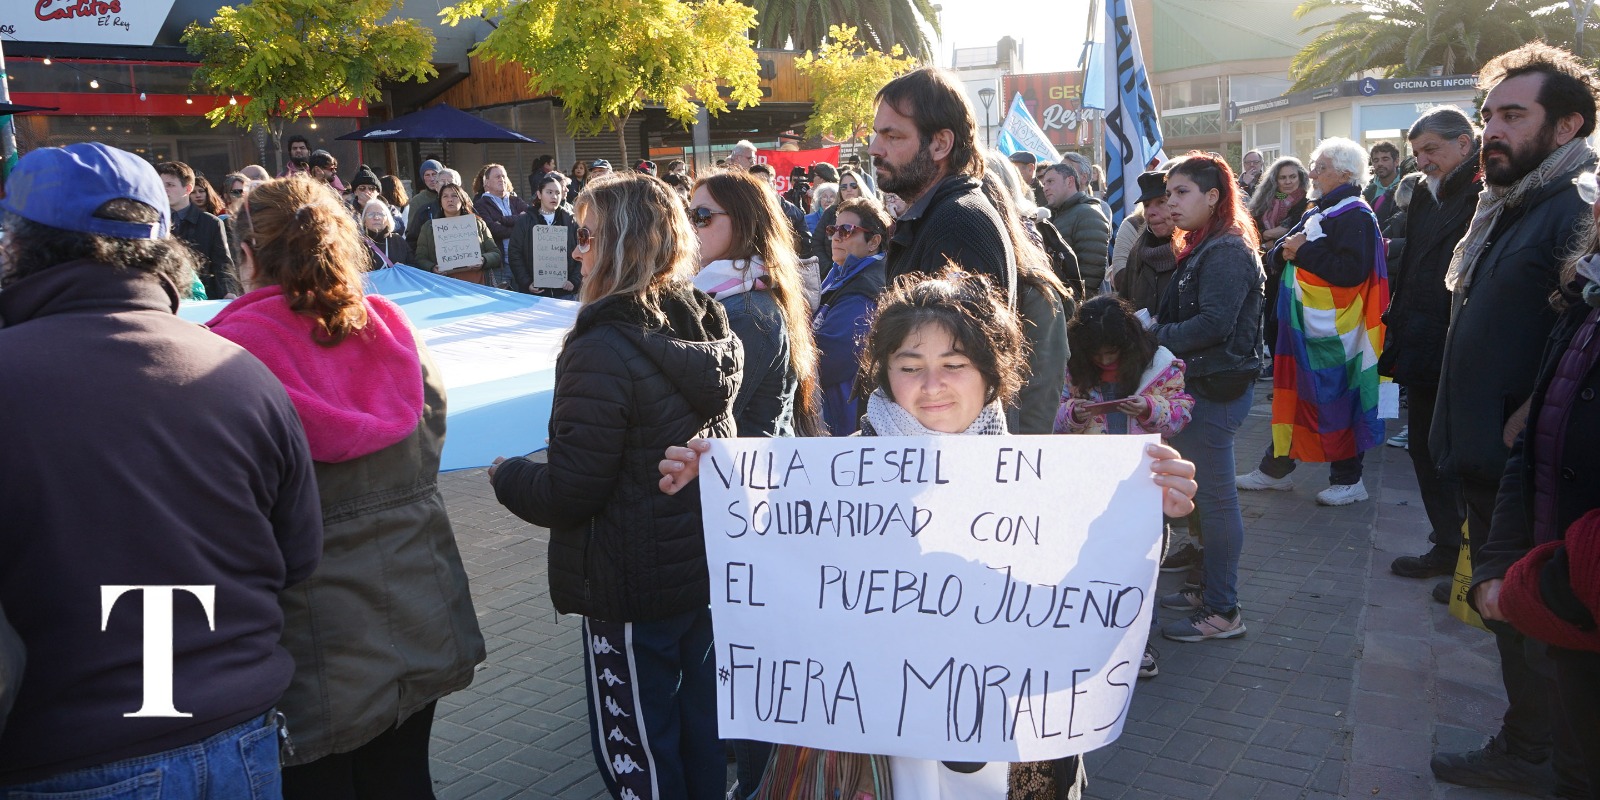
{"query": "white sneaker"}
{"type": "Point", "coordinates": [1258, 480]}
{"type": "Point", "coordinates": [1342, 495]}
{"type": "Point", "coordinates": [1401, 439]}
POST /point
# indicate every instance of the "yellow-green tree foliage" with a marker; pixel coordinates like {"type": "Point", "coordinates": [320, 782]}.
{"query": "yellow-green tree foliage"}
{"type": "Point", "coordinates": [287, 56]}
{"type": "Point", "coordinates": [606, 58]}
{"type": "Point", "coordinates": [846, 75]}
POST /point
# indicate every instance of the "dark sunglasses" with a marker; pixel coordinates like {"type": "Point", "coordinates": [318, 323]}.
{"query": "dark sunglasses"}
{"type": "Point", "coordinates": [844, 186]}
{"type": "Point", "coordinates": [585, 238]}
{"type": "Point", "coordinates": [844, 231]}
{"type": "Point", "coordinates": [236, 192]}
{"type": "Point", "coordinates": [700, 216]}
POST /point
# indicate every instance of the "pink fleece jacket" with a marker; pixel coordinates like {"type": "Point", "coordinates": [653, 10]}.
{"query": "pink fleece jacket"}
{"type": "Point", "coordinates": [354, 398]}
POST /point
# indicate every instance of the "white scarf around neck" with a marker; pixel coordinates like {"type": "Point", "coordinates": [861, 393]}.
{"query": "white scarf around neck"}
{"type": "Point", "coordinates": [887, 418]}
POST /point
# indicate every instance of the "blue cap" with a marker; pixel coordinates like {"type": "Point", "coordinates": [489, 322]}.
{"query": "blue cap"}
{"type": "Point", "coordinates": [63, 186]}
{"type": "Point", "coordinates": [600, 163]}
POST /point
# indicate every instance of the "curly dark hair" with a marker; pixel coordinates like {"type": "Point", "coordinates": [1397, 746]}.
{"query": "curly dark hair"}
{"type": "Point", "coordinates": [32, 248]}
{"type": "Point", "coordinates": [1102, 322]}
{"type": "Point", "coordinates": [964, 304]}
{"type": "Point", "coordinates": [1569, 87]}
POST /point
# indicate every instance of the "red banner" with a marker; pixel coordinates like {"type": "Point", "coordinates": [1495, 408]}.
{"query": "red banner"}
{"type": "Point", "coordinates": [1055, 99]}
{"type": "Point", "coordinates": [783, 161]}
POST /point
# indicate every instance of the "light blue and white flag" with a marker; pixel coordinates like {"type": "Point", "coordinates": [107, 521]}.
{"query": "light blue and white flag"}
{"type": "Point", "coordinates": [1020, 132]}
{"type": "Point", "coordinates": [1132, 129]}
{"type": "Point", "coordinates": [495, 350]}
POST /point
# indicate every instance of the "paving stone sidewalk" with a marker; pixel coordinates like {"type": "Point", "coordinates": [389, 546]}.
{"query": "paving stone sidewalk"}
{"type": "Point", "coordinates": [1347, 679]}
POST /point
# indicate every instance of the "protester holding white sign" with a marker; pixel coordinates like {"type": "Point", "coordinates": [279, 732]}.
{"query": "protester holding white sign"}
{"type": "Point", "coordinates": [943, 356]}
{"type": "Point", "coordinates": [458, 243]}
{"type": "Point", "coordinates": [650, 361]}
{"type": "Point", "coordinates": [538, 264]}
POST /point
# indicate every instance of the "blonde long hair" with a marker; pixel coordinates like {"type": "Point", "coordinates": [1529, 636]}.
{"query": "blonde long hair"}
{"type": "Point", "coordinates": [642, 239]}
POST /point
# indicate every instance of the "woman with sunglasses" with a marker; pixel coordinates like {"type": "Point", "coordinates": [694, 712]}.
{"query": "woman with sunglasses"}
{"type": "Point", "coordinates": [649, 363]}
{"type": "Point", "coordinates": [385, 246]}
{"type": "Point", "coordinates": [851, 186]}
{"type": "Point", "coordinates": [233, 186]}
{"type": "Point", "coordinates": [453, 202]}
{"type": "Point", "coordinates": [849, 299]}
{"type": "Point", "coordinates": [748, 263]}
{"type": "Point", "coordinates": [550, 190]}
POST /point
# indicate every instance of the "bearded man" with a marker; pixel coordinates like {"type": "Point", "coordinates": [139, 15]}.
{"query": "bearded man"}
{"type": "Point", "coordinates": [924, 149]}
{"type": "Point", "coordinates": [1539, 108]}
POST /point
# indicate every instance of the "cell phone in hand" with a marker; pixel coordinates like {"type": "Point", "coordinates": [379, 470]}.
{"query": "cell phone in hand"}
{"type": "Point", "coordinates": [1105, 404]}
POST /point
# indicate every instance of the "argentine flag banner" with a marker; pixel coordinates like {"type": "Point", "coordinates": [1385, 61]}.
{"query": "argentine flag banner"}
{"type": "Point", "coordinates": [496, 351]}
{"type": "Point", "coordinates": [1020, 132]}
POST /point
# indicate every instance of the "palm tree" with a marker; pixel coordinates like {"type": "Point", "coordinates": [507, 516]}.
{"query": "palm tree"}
{"type": "Point", "coordinates": [803, 24]}
{"type": "Point", "coordinates": [1404, 38]}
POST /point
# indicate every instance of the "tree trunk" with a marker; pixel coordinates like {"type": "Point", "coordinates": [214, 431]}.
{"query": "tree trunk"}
{"type": "Point", "coordinates": [621, 123]}
{"type": "Point", "coordinates": [276, 131]}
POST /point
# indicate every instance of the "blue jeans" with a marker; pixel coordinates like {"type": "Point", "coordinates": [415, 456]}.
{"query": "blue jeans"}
{"type": "Point", "coordinates": [239, 763]}
{"type": "Point", "coordinates": [1208, 441]}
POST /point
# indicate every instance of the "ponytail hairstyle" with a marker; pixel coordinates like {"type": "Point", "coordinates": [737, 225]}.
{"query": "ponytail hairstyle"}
{"type": "Point", "coordinates": [761, 232]}
{"type": "Point", "coordinates": [302, 239]}
{"type": "Point", "coordinates": [1228, 216]}
{"type": "Point", "coordinates": [1108, 321]}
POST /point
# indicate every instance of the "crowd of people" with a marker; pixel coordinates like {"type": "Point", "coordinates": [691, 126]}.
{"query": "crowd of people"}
{"type": "Point", "coordinates": [273, 475]}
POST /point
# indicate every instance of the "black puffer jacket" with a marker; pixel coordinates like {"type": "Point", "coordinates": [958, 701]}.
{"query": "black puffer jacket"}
{"type": "Point", "coordinates": [1419, 314]}
{"type": "Point", "coordinates": [627, 387]}
{"type": "Point", "coordinates": [1499, 325]}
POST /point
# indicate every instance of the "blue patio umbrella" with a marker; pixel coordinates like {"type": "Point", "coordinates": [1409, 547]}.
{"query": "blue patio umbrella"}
{"type": "Point", "coordinates": [440, 123]}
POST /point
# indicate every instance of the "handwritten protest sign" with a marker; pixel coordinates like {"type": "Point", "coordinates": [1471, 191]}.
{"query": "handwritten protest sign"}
{"type": "Point", "coordinates": [549, 256]}
{"type": "Point", "coordinates": [455, 243]}
{"type": "Point", "coordinates": [965, 598]}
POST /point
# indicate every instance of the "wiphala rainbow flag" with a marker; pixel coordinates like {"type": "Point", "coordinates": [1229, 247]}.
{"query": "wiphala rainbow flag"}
{"type": "Point", "coordinates": [1325, 368]}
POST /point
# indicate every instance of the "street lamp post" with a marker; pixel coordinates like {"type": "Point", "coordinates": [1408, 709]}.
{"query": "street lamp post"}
{"type": "Point", "coordinates": [986, 96]}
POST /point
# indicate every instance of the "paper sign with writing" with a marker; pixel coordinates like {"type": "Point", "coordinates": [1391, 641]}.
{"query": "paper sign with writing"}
{"type": "Point", "coordinates": [549, 256]}
{"type": "Point", "coordinates": [964, 598]}
{"type": "Point", "coordinates": [455, 243]}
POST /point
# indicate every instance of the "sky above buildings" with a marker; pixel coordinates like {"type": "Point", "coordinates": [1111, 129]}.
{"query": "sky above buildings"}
{"type": "Point", "coordinates": [1051, 31]}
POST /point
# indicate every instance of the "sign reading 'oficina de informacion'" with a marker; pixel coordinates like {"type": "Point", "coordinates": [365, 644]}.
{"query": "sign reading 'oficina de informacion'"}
{"type": "Point", "coordinates": [112, 22]}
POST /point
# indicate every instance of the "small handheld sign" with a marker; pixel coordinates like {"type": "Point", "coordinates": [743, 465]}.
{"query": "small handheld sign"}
{"type": "Point", "coordinates": [549, 256]}
{"type": "Point", "coordinates": [455, 243]}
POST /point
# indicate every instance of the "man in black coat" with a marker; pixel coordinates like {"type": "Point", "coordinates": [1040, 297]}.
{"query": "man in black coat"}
{"type": "Point", "coordinates": [204, 232]}
{"type": "Point", "coordinates": [925, 151]}
{"type": "Point", "coordinates": [1447, 154]}
{"type": "Point", "coordinates": [1541, 104]}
